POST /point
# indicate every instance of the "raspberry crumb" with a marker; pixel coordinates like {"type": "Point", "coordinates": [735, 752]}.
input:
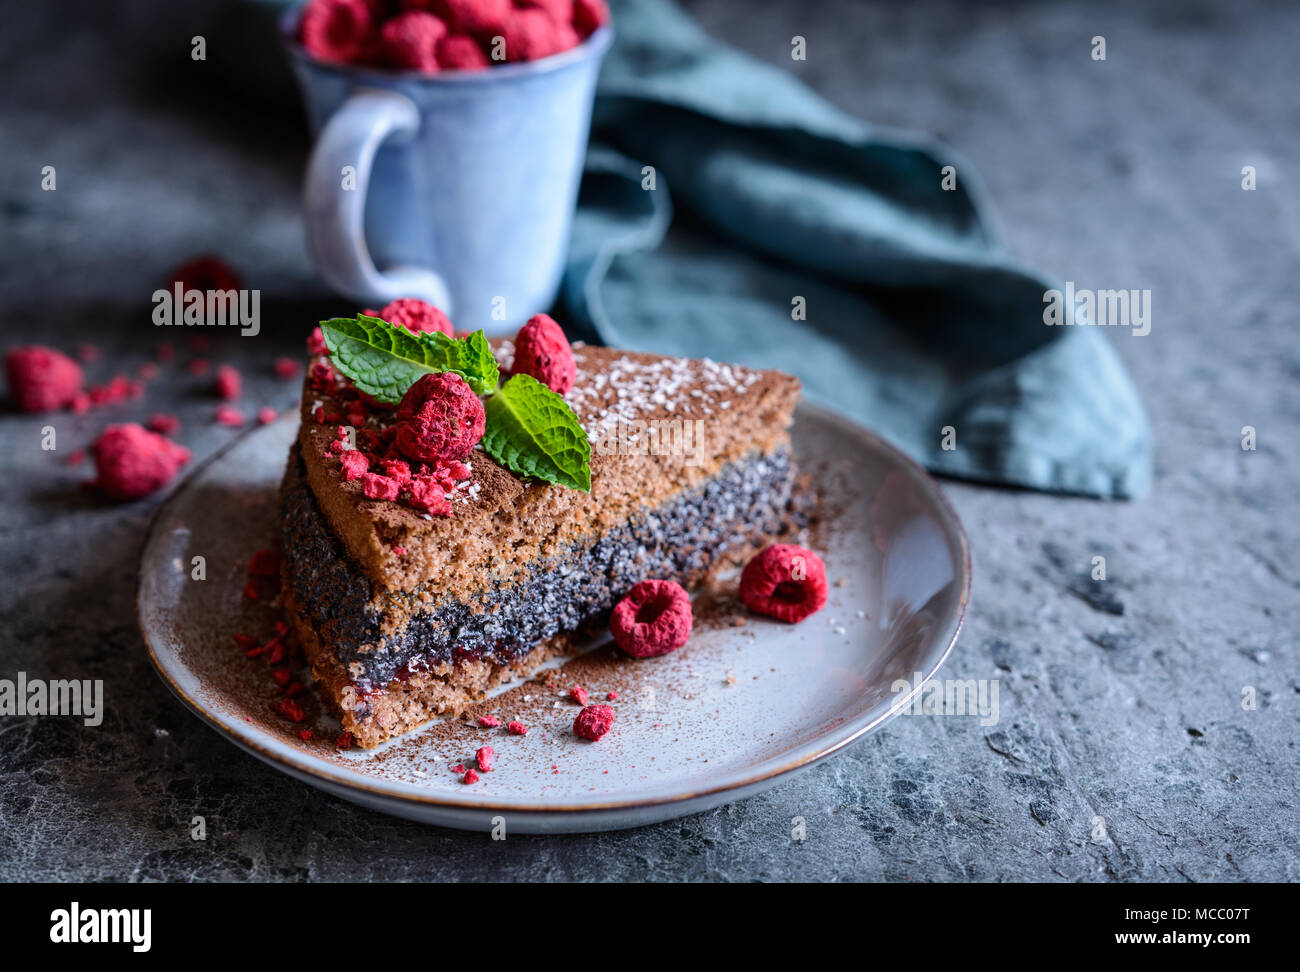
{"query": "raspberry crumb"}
{"type": "Point", "coordinates": [484, 758]}
{"type": "Point", "coordinates": [229, 383]}
{"type": "Point", "coordinates": [229, 416]}
{"type": "Point", "coordinates": [489, 722]}
{"type": "Point", "coordinates": [469, 777]}
{"type": "Point", "coordinates": [611, 696]}
{"type": "Point", "coordinates": [291, 710]}
{"type": "Point", "coordinates": [517, 728]}
{"type": "Point", "coordinates": [197, 367]}
{"type": "Point", "coordinates": [163, 423]}
{"type": "Point", "coordinates": [785, 582]}
{"type": "Point", "coordinates": [344, 741]}
{"type": "Point", "coordinates": [542, 350]}
{"type": "Point", "coordinates": [355, 464]}
{"type": "Point", "coordinates": [578, 694]}
{"type": "Point", "coordinates": [286, 368]}
{"type": "Point", "coordinates": [374, 486]}
{"type": "Point", "coordinates": [593, 722]}
{"type": "Point", "coordinates": [42, 379]}
{"type": "Point", "coordinates": [399, 551]}
{"type": "Point", "coordinates": [266, 415]}
{"type": "Point", "coordinates": [76, 457]}
{"type": "Point", "coordinates": [305, 734]}
{"type": "Point", "coordinates": [653, 619]}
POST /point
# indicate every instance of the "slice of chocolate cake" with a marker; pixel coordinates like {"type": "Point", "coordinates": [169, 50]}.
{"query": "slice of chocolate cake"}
{"type": "Point", "coordinates": [413, 609]}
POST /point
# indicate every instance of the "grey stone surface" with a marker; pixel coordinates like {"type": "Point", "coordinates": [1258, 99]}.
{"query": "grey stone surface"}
{"type": "Point", "coordinates": [1120, 700]}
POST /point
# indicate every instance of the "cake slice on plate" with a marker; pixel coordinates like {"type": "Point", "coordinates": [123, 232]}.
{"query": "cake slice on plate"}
{"type": "Point", "coordinates": [417, 581]}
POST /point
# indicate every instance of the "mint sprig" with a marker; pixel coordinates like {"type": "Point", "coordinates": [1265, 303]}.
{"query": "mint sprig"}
{"type": "Point", "coordinates": [384, 360]}
{"type": "Point", "coordinates": [533, 432]}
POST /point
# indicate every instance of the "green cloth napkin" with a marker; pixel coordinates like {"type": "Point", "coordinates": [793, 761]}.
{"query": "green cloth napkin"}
{"type": "Point", "coordinates": [917, 318]}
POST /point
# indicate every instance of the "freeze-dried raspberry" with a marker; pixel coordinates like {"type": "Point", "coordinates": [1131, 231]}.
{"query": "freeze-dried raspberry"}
{"type": "Point", "coordinates": [653, 619]}
{"type": "Point", "coordinates": [415, 315]}
{"type": "Point", "coordinates": [484, 758]}
{"type": "Point", "coordinates": [517, 728]}
{"type": "Point", "coordinates": [578, 694]}
{"type": "Point", "coordinates": [205, 273]}
{"type": "Point", "coordinates": [558, 10]}
{"type": "Point", "coordinates": [398, 470]}
{"type": "Point", "coordinates": [589, 15]}
{"type": "Point", "coordinates": [461, 52]}
{"type": "Point", "coordinates": [266, 415]}
{"type": "Point", "coordinates": [542, 350]}
{"type": "Point", "coordinates": [119, 389]}
{"type": "Point", "coordinates": [489, 722]}
{"type": "Point", "coordinates": [410, 41]}
{"type": "Point", "coordinates": [593, 722]}
{"type": "Point", "coordinates": [229, 383]}
{"type": "Point", "coordinates": [531, 33]}
{"type": "Point", "coordinates": [354, 463]}
{"type": "Point", "coordinates": [429, 496]}
{"type": "Point", "coordinates": [41, 379]}
{"type": "Point", "coordinates": [439, 417]}
{"type": "Point", "coordinates": [784, 582]}
{"type": "Point", "coordinates": [375, 486]}
{"type": "Point", "coordinates": [131, 461]}
{"type": "Point", "coordinates": [229, 416]}
{"type": "Point", "coordinates": [335, 30]}
{"type": "Point", "coordinates": [291, 710]}
{"type": "Point", "coordinates": [469, 777]}
{"type": "Point", "coordinates": [285, 368]}
{"type": "Point", "coordinates": [344, 741]}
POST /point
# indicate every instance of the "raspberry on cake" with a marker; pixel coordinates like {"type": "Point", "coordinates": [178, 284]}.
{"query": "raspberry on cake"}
{"type": "Point", "coordinates": [505, 571]}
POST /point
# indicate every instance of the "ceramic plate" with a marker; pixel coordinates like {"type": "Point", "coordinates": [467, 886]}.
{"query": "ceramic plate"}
{"type": "Point", "coordinates": [747, 702]}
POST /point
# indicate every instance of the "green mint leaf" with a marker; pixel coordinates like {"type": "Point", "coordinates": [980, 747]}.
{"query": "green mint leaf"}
{"type": "Point", "coordinates": [384, 360]}
{"type": "Point", "coordinates": [532, 432]}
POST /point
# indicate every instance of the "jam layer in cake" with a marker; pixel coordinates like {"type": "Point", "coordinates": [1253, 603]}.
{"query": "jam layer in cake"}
{"type": "Point", "coordinates": [407, 617]}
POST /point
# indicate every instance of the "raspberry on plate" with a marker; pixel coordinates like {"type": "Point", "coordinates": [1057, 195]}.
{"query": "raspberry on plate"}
{"type": "Point", "coordinates": [784, 582]}
{"type": "Point", "coordinates": [593, 722]}
{"type": "Point", "coordinates": [653, 619]}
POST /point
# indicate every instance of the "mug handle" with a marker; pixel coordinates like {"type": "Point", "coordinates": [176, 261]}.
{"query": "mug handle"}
{"type": "Point", "coordinates": [335, 217]}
